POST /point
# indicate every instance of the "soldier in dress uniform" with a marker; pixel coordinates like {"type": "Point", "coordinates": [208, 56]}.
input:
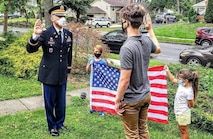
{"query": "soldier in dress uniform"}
{"type": "Point", "coordinates": [56, 62]}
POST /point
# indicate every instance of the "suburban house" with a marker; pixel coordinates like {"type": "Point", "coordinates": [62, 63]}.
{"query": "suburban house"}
{"type": "Point", "coordinates": [200, 7]}
{"type": "Point", "coordinates": [109, 8]}
{"type": "Point", "coordinates": [106, 8]}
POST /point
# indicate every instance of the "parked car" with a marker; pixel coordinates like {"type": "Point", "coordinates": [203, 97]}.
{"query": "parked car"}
{"type": "Point", "coordinates": [169, 17]}
{"type": "Point", "coordinates": [13, 16]}
{"type": "Point", "coordinates": [197, 56]}
{"type": "Point", "coordinates": [98, 22]}
{"type": "Point", "coordinates": [204, 36]}
{"type": "Point", "coordinates": [115, 39]}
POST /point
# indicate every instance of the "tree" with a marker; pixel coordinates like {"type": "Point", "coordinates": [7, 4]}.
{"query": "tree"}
{"type": "Point", "coordinates": [158, 4]}
{"type": "Point", "coordinates": [6, 4]}
{"type": "Point", "coordinates": [192, 15]}
{"type": "Point", "coordinates": [79, 6]}
{"type": "Point", "coordinates": [47, 5]}
{"type": "Point", "coordinates": [10, 6]}
{"type": "Point", "coordinates": [209, 10]}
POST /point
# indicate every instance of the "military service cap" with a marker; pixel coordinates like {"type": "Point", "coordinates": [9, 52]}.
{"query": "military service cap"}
{"type": "Point", "coordinates": [59, 10]}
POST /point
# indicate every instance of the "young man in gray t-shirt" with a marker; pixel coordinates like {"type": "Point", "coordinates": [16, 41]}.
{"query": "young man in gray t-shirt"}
{"type": "Point", "coordinates": [133, 96]}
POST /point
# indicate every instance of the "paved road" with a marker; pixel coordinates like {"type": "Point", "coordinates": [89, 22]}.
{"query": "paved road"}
{"type": "Point", "coordinates": [21, 30]}
{"type": "Point", "coordinates": [170, 52]}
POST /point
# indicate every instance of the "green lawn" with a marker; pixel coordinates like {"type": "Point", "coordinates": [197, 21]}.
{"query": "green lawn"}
{"type": "Point", "coordinates": [33, 125]}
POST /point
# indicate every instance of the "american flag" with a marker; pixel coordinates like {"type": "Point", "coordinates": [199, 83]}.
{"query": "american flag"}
{"type": "Point", "coordinates": [103, 88]}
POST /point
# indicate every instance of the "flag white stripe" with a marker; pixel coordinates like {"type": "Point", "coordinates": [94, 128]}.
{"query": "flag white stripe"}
{"type": "Point", "coordinates": [161, 91]}
{"type": "Point", "coordinates": [159, 99]}
{"type": "Point", "coordinates": [104, 97]}
{"type": "Point", "coordinates": [99, 104]}
{"type": "Point", "coordinates": [158, 81]}
{"type": "Point", "coordinates": [157, 116]}
{"type": "Point", "coordinates": [156, 73]}
{"type": "Point", "coordinates": [160, 108]}
{"type": "Point", "coordinates": [104, 90]}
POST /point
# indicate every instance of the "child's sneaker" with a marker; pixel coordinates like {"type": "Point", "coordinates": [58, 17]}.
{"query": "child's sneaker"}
{"type": "Point", "coordinates": [91, 111]}
{"type": "Point", "coordinates": [101, 113]}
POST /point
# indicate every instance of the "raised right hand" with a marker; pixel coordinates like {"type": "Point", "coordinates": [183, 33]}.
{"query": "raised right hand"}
{"type": "Point", "coordinates": [38, 27]}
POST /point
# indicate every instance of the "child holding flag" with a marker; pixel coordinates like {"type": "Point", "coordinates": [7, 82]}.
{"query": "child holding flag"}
{"type": "Point", "coordinates": [98, 49]}
{"type": "Point", "coordinates": [185, 97]}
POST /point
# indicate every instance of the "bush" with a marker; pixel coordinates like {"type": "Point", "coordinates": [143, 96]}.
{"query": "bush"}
{"type": "Point", "coordinates": [209, 10]}
{"type": "Point", "coordinates": [15, 60]}
{"type": "Point", "coordinates": [9, 37]}
{"type": "Point", "coordinates": [192, 15]}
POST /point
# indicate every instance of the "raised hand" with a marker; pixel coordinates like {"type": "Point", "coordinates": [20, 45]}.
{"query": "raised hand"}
{"type": "Point", "coordinates": [147, 21]}
{"type": "Point", "coordinates": [38, 27]}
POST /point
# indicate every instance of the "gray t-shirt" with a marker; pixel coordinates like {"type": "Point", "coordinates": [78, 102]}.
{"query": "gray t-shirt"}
{"type": "Point", "coordinates": [135, 56]}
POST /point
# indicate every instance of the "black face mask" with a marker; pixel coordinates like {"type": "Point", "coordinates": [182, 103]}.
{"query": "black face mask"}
{"type": "Point", "coordinates": [97, 55]}
{"type": "Point", "coordinates": [122, 26]}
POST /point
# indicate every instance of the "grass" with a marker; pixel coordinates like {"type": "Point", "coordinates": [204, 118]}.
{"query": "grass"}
{"type": "Point", "coordinates": [33, 125]}
{"type": "Point", "coordinates": [183, 33]}
{"type": "Point", "coordinates": [13, 88]}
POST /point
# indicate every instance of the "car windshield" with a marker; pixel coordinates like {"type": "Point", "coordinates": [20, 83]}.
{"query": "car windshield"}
{"type": "Point", "coordinates": [116, 35]}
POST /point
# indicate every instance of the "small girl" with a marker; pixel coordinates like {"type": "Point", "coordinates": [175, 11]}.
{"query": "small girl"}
{"type": "Point", "coordinates": [185, 97]}
{"type": "Point", "coordinates": [97, 58]}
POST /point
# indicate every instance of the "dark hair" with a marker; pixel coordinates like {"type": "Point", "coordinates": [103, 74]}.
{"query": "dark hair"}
{"type": "Point", "coordinates": [192, 77]}
{"type": "Point", "coordinates": [134, 13]}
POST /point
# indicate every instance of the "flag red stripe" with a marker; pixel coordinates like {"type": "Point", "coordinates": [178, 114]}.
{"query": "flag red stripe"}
{"type": "Point", "coordinates": [158, 120]}
{"type": "Point", "coordinates": [105, 109]}
{"type": "Point", "coordinates": [159, 94]}
{"type": "Point", "coordinates": [159, 86]}
{"type": "Point", "coordinates": [158, 112]}
{"type": "Point", "coordinates": [157, 77]}
{"type": "Point", "coordinates": [159, 68]}
{"type": "Point", "coordinates": [103, 93]}
{"type": "Point", "coordinates": [159, 103]}
{"type": "Point", "coordinates": [103, 101]}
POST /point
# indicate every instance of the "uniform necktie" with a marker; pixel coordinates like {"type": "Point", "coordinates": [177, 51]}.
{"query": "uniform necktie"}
{"type": "Point", "coordinates": [59, 36]}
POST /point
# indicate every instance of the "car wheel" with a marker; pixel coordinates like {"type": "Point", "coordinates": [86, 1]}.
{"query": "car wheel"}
{"type": "Point", "coordinates": [96, 25]}
{"type": "Point", "coordinates": [205, 43]}
{"type": "Point", "coordinates": [108, 25]}
{"type": "Point", "coordinates": [194, 61]}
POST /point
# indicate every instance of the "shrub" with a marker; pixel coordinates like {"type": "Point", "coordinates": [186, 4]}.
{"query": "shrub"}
{"type": "Point", "coordinates": [192, 15]}
{"type": "Point", "coordinates": [178, 17]}
{"type": "Point", "coordinates": [9, 37]}
{"type": "Point", "coordinates": [209, 10]}
{"type": "Point", "coordinates": [15, 60]}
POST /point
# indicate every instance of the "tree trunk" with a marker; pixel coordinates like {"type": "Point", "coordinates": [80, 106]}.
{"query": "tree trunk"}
{"type": "Point", "coordinates": [47, 5]}
{"type": "Point", "coordinates": [178, 6]}
{"type": "Point", "coordinates": [6, 16]}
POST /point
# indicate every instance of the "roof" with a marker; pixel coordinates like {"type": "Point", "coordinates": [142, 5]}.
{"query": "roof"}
{"type": "Point", "coordinates": [95, 10]}
{"type": "Point", "coordinates": [200, 4]}
{"type": "Point", "coordinates": [116, 3]}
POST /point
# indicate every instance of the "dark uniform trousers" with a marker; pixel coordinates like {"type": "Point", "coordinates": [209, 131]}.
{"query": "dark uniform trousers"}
{"type": "Point", "coordinates": [57, 56]}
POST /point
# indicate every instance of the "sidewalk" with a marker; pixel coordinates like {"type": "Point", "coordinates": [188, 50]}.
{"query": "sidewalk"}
{"type": "Point", "coordinates": [14, 106]}
{"type": "Point", "coordinates": [32, 103]}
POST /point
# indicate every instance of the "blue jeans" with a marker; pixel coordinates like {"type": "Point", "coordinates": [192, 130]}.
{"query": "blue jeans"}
{"type": "Point", "coordinates": [134, 119]}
